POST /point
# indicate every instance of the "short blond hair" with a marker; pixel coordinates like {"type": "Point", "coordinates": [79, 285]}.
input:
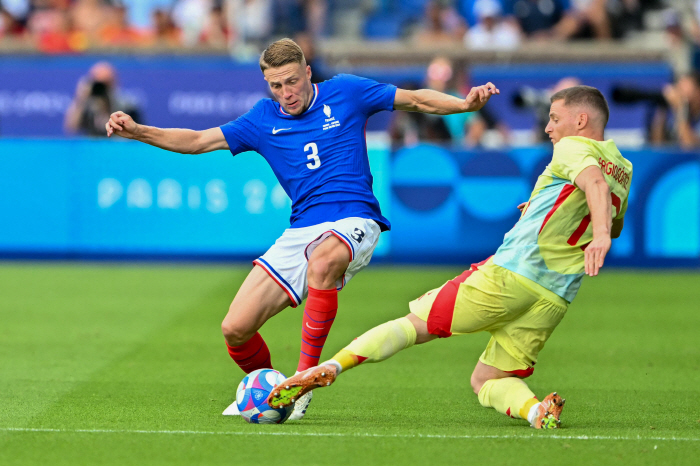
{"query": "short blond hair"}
{"type": "Point", "coordinates": [280, 53]}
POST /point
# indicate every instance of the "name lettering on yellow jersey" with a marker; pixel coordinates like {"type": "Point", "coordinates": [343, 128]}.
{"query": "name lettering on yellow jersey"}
{"type": "Point", "coordinates": [616, 172]}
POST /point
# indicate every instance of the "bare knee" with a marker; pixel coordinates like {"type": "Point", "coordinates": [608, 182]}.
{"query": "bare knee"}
{"type": "Point", "coordinates": [235, 332]}
{"type": "Point", "coordinates": [328, 263]}
{"type": "Point", "coordinates": [483, 373]}
{"type": "Point", "coordinates": [322, 272]}
{"type": "Point", "coordinates": [477, 382]}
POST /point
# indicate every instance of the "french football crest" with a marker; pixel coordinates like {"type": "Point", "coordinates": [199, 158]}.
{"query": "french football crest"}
{"type": "Point", "coordinates": [327, 110]}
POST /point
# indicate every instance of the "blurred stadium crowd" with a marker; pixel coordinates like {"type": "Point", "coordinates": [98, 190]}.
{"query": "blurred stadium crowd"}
{"type": "Point", "coordinates": [64, 26]}
{"type": "Point", "coordinates": [242, 28]}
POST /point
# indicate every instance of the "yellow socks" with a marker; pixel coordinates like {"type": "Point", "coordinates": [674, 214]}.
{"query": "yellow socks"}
{"type": "Point", "coordinates": [510, 396]}
{"type": "Point", "coordinates": [377, 344]}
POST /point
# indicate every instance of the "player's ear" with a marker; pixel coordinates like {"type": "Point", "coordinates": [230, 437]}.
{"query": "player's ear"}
{"type": "Point", "coordinates": [308, 71]}
{"type": "Point", "coordinates": [582, 120]}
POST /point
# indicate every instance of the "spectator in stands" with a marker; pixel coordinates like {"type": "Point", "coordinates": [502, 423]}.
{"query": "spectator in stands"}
{"type": "Point", "coordinates": [51, 28]}
{"type": "Point", "coordinates": [442, 24]}
{"type": "Point", "coordinates": [682, 125]}
{"type": "Point", "coordinates": [253, 21]}
{"type": "Point", "coordinates": [538, 100]}
{"type": "Point", "coordinates": [96, 98]}
{"type": "Point", "coordinates": [191, 17]}
{"type": "Point", "coordinates": [216, 32]}
{"type": "Point", "coordinates": [140, 12]}
{"type": "Point", "coordinates": [466, 129]}
{"type": "Point", "coordinates": [411, 128]}
{"type": "Point", "coordinates": [13, 17]}
{"type": "Point", "coordinates": [89, 17]}
{"type": "Point", "coordinates": [627, 16]}
{"type": "Point", "coordinates": [306, 41]}
{"type": "Point", "coordinates": [118, 32]}
{"type": "Point", "coordinates": [586, 19]}
{"type": "Point", "coordinates": [537, 18]}
{"type": "Point", "coordinates": [165, 33]}
{"type": "Point", "coordinates": [680, 41]}
{"type": "Point", "coordinates": [491, 32]}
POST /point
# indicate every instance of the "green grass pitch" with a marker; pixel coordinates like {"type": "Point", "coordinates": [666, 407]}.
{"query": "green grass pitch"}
{"type": "Point", "coordinates": [125, 364]}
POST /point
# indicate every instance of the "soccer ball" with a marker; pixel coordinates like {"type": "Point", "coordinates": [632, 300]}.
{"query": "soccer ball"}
{"type": "Point", "coordinates": [251, 398]}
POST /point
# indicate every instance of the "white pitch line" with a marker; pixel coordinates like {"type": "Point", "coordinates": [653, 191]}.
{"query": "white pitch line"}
{"type": "Point", "coordinates": [340, 434]}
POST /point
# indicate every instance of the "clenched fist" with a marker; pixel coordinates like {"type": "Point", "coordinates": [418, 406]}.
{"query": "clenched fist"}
{"type": "Point", "coordinates": [121, 124]}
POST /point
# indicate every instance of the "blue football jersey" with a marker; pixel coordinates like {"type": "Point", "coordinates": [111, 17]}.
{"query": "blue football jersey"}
{"type": "Point", "coordinates": [320, 156]}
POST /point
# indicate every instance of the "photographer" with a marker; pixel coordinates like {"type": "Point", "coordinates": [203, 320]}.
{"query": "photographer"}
{"type": "Point", "coordinates": [96, 98]}
{"type": "Point", "coordinates": [683, 98]}
{"type": "Point", "coordinates": [673, 113]}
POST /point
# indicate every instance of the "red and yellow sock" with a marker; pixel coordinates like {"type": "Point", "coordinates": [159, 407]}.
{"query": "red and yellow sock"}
{"type": "Point", "coordinates": [510, 396]}
{"type": "Point", "coordinates": [377, 344]}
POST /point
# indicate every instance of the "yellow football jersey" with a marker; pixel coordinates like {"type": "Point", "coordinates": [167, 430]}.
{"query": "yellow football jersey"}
{"type": "Point", "coordinates": [548, 242]}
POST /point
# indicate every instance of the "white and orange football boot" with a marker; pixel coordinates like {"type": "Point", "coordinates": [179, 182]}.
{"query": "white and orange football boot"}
{"type": "Point", "coordinates": [548, 412]}
{"type": "Point", "coordinates": [289, 391]}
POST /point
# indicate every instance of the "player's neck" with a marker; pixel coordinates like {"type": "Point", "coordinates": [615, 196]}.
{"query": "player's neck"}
{"type": "Point", "coordinates": [592, 134]}
{"type": "Point", "coordinates": [309, 99]}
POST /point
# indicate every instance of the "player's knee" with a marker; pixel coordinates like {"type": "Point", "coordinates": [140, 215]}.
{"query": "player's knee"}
{"type": "Point", "coordinates": [476, 382]}
{"type": "Point", "coordinates": [235, 333]}
{"type": "Point", "coordinates": [324, 271]}
{"type": "Point", "coordinates": [478, 379]}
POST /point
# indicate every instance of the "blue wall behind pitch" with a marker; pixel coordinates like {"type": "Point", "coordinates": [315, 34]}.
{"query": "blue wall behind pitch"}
{"type": "Point", "coordinates": [115, 198]}
{"type": "Point", "coordinates": [449, 204]}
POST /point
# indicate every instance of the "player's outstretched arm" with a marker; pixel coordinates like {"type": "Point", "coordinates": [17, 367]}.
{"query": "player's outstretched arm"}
{"type": "Point", "coordinates": [592, 182]}
{"type": "Point", "coordinates": [430, 101]}
{"type": "Point", "coordinates": [184, 141]}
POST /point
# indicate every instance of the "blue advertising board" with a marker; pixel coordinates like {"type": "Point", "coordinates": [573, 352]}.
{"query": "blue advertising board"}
{"type": "Point", "coordinates": [455, 205]}
{"type": "Point", "coordinates": [83, 198]}
{"type": "Point", "coordinates": [116, 198]}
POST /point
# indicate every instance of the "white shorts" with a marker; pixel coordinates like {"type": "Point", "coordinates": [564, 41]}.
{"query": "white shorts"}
{"type": "Point", "coordinates": [287, 260]}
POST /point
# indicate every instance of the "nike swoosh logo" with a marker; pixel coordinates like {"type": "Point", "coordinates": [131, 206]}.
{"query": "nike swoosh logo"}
{"type": "Point", "coordinates": [275, 131]}
{"type": "Point", "coordinates": [314, 328]}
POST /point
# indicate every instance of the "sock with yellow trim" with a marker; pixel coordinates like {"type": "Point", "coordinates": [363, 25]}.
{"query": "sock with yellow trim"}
{"type": "Point", "coordinates": [376, 345]}
{"type": "Point", "coordinates": [510, 396]}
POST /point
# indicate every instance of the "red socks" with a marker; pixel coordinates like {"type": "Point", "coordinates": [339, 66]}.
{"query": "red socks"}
{"type": "Point", "coordinates": [319, 313]}
{"type": "Point", "coordinates": [251, 355]}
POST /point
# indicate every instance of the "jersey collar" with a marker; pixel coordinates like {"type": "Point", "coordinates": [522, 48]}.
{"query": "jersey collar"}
{"type": "Point", "coordinates": [313, 101]}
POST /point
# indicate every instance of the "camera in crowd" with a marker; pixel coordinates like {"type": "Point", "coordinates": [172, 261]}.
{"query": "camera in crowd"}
{"type": "Point", "coordinates": [626, 94]}
{"type": "Point", "coordinates": [99, 89]}
{"type": "Point", "coordinates": [536, 100]}
{"type": "Point", "coordinates": [529, 97]}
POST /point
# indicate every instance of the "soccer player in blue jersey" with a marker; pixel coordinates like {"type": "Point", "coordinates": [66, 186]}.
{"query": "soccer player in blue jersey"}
{"type": "Point", "coordinates": [313, 137]}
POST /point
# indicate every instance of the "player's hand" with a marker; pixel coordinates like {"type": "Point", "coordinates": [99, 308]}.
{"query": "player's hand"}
{"type": "Point", "coordinates": [121, 124]}
{"type": "Point", "coordinates": [478, 96]}
{"type": "Point", "coordinates": [595, 253]}
{"type": "Point", "coordinates": [672, 96]}
{"type": "Point", "coordinates": [522, 206]}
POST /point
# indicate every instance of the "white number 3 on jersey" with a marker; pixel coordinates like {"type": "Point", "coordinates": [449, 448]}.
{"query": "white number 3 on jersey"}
{"type": "Point", "coordinates": [312, 156]}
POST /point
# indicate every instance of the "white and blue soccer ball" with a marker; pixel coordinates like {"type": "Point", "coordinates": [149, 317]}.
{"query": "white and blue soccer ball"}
{"type": "Point", "coordinates": [251, 398]}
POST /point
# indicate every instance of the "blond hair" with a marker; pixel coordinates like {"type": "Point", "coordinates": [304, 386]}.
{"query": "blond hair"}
{"type": "Point", "coordinates": [280, 53]}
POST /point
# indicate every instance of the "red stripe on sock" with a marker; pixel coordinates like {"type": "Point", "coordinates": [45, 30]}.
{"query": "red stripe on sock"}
{"type": "Point", "coordinates": [319, 314]}
{"type": "Point", "coordinates": [442, 310]}
{"type": "Point", "coordinates": [251, 355]}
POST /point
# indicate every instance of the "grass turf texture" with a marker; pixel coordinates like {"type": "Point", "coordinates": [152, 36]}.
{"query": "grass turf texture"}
{"type": "Point", "coordinates": [125, 364]}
